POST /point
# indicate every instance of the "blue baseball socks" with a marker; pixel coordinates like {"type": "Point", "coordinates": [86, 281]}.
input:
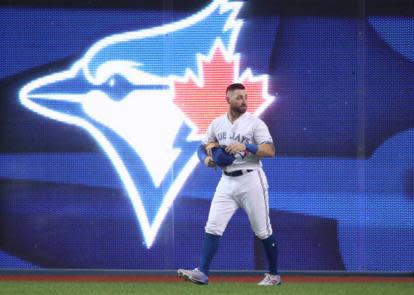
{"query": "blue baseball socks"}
{"type": "Point", "coordinates": [210, 246]}
{"type": "Point", "coordinates": [270, 247]}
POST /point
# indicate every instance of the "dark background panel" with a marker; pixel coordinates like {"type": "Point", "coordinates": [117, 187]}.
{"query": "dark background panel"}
{"type": "Point", "coordinates": [61, 226]}
{"type": "Point", "coordinates": [352, 8]}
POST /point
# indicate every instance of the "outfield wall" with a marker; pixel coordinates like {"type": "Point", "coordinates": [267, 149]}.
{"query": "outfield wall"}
{"type": "Point", "coordinates": [89, 182]}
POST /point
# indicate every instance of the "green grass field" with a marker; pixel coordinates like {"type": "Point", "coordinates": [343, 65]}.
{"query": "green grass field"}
{"type": "Point", "coordinates": [89, 288]}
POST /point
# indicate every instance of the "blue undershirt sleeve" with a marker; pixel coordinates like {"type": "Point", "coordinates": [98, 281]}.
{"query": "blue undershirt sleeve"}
{"type": "Point", "coordinates": [252, 148]}
{"type": "Point", "coordinates": [201, 153]}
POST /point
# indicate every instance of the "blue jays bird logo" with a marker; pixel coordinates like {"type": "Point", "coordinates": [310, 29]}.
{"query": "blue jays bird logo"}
{"type": "Point", "coordinates": [128, 92]}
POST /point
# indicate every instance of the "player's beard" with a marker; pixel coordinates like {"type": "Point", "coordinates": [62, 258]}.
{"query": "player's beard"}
{"type": "Point", "coordinates": [239, 109]}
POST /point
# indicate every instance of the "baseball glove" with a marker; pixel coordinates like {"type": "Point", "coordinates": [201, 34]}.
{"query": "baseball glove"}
{"type": "Point", "coordinates": [221, 157]}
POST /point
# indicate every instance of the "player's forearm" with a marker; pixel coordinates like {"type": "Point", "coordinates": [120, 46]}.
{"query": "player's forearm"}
{"type": "Point", "coordinates": [266, 150]}
{"type": "Point", "coordinates": [204, 157]}
{"type": "Point", "coordinates": [261, 150]}
{"type": "Point", "coordinates": [201, 153]}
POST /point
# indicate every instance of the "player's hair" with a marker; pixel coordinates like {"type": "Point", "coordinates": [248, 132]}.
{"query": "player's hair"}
{"type": "Point", "coordinates": [235, 86]}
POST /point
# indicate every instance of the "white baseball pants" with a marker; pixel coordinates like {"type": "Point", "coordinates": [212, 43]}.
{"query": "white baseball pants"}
{"type": "Point", "coordinates": [249, 192]}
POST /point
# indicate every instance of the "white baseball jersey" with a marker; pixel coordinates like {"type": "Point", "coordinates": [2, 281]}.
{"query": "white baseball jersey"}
{"type": "Point", "coordinates": [248, 191]}
{"type": "Point", "coordinates": [246, 129]}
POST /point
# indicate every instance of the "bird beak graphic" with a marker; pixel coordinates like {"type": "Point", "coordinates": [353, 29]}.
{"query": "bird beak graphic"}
{"type": "Point", "coordinates": [56, 95]}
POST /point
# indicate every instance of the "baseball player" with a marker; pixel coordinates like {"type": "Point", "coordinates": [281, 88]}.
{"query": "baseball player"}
{"type": "Point", "coordinates": [235, 142]}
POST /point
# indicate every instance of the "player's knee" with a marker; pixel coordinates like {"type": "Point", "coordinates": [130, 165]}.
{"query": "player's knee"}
{"type": "Point", "coordinates": [263, 234]}
{"type": "Point", "coordinates": [214, 230]}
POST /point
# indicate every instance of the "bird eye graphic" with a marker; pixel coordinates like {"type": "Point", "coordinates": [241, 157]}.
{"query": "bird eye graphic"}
{"type": "Point", "coordinates": [117, 87]}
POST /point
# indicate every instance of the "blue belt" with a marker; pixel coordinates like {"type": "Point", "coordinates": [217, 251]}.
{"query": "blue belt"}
{"type": "Point", "coordinates": [237, 172]}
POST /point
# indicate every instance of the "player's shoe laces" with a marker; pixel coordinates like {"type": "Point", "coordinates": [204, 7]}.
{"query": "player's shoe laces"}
{"type": "Point", "coordinates": [270, 280]}
{"type": "Point", "coordinates": [195, 276]}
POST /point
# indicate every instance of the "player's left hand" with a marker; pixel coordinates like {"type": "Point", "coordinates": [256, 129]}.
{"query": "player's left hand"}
{"type": "Point", "coordinates": [235, 148]}
{"type": "Point", "coordinates": [209, 162]}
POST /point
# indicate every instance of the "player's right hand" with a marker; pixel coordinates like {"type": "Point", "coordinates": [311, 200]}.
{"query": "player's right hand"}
{"type": "Point", "coordinates": [209, 162]}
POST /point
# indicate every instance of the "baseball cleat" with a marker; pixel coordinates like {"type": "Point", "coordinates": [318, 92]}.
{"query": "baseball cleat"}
{"type": "Point", "coordinates": [194, 276]}
{"type": "Point", "coordinates": [270, 280]}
